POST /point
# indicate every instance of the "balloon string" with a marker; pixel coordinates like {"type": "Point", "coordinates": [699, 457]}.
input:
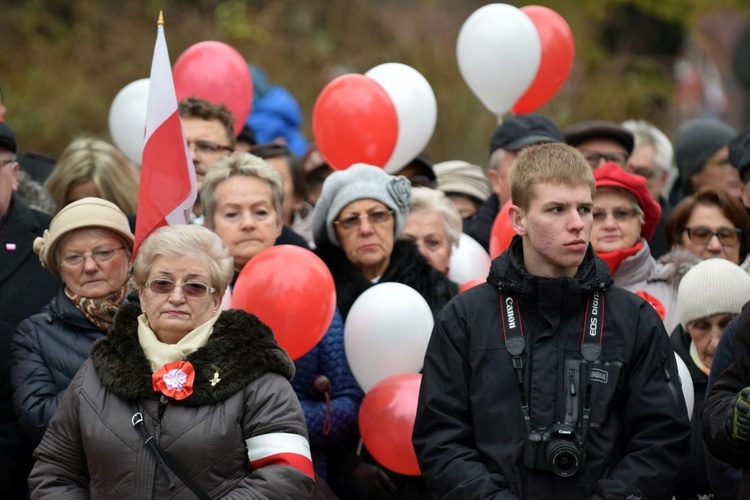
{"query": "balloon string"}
{"type": "Point", "coordinates": [327, 422]}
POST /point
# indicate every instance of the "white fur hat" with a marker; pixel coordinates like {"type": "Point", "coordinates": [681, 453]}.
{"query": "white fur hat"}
{"type": "Point", "coordinates": [712, 286]}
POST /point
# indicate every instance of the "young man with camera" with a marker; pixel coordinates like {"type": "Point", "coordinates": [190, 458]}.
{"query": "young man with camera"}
{"type": "Point", "coordinates": [548, 381]}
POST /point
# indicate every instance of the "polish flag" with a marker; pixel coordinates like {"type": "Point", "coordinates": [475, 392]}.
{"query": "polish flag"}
{"type": "Point", "coordinates": [280, 449]}
{"type": "Point", "coordinates": [167, 189]}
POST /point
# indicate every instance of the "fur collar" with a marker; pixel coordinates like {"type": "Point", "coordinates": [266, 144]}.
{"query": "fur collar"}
{"type": "Point", "coordinates": [241, 346]}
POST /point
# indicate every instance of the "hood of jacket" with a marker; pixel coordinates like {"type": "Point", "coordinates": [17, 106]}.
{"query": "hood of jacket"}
{"type": "Point", "coordinates": [241, 348]}
{"type": "Point", "coordinates": [509, 274]}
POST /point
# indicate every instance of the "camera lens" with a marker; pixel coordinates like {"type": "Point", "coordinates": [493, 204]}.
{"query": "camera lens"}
{"type": "Point", "coordinates": [563, 457]}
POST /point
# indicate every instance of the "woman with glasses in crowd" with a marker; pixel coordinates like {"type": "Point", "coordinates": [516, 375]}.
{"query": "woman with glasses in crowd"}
{"type": "Point", "coordinates": [625, 217]}
{"type": "Point", "coordinates": [707, 224]}
{"type": "Point", "coordinates": [179, 397]}
{"type": "Point", "coordinates": [243, 199]}
{"type": "Point", "coordinates": [356, 222]}
{"type": "Point", "coordinates": [88, 244]}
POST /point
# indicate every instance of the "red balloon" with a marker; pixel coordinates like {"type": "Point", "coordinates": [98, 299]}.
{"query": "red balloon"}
{"type": "Point", "coordinates": [471, 284]}
{"type": "Point", "coordinates": [558, 52]}
{"type": "Point", "coordinates": [386, 422]}
{"type": "Point", "coordinates": [291, 290]}
{"type": "Point", "coordinates": [216, 72]}
{"type": "Point", "coordinates": [502, 231]}
{"type": "Point", "coordinates": [355, 121]}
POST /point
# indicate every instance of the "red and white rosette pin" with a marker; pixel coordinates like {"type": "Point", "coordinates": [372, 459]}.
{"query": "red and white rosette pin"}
{"type": "Point", "coordinates": [174, 380]}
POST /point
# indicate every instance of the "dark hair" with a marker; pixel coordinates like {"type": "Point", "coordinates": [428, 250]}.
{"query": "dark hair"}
{"type": "Point", "coordinates": [270, 150]}
{"type": "Point", "coordinates": [193, 107]}
{"type": "Point", "coordinates": [710, 197]}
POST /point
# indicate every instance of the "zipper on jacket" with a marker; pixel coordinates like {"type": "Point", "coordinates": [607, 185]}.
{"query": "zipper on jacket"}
{"type": "Point", "coordinates": [670, 382]}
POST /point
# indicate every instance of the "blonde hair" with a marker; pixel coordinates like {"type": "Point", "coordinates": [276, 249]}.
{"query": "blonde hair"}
{"type": "Point", "coordinates": [191, 241]}
{"type": "Point", "coordinates": [243, 164]}
{"type": "Point", "coordinates": [93, 160]}
{"type": "Point", "coordinates": [554, 163]}
{"type": "Point", "coordinates": [425, 199]}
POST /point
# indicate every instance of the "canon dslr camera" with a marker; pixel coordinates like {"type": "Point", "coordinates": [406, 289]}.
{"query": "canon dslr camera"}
{"type": "Point", "coordinates": [556, 449]}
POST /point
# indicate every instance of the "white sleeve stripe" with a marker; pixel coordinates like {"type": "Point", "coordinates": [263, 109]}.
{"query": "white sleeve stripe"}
{"type": "Point", "coordinates": [266, 445]}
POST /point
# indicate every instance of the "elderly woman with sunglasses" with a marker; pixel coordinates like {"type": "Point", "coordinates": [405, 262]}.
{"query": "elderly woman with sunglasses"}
{"type": "Point", "coordinates": [180, 399]}
{"type": "Point", "coordinates": [625, 217]}
{"type": "Point", "coordinates": [88, 244]}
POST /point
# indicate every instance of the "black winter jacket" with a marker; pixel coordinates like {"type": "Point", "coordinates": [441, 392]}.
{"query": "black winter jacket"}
{"type": "Point", "coordinates": [718, 406]}
{"type": "Point", "coordinates": [407, 266]}
{"type": "Point", "coordinates": [469, 432]}
{"type": "Point", "coordinates": [47, 350]}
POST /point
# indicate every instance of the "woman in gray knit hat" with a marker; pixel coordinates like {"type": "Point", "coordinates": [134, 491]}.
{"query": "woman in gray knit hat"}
{"type": "Point", "coordinates": [356, 222]}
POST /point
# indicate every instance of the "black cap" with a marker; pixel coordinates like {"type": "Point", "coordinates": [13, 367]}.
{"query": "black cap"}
{"type": "Point", "coordinates": [7, 138]}
{"type": "Point", "coordinates": [598, 129]}
{"type": "Point", "coordinates": [517, 132]}
{"type": "Point", "coordinates": [739, 152]}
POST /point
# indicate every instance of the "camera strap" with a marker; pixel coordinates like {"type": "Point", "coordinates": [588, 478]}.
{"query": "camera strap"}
{"type": "Point", "coordinates": [515, 344]}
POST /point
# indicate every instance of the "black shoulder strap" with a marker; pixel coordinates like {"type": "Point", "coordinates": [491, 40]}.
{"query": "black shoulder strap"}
{"type": "Point", "coordinates": [164, 461]}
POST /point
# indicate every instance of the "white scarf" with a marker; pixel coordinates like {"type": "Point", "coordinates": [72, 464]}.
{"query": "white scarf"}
{"type": "Point", "coordinates": [159, 354]}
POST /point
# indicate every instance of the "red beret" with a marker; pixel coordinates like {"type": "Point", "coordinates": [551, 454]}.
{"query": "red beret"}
{"type": "Point", "coordinates": [612, 175]}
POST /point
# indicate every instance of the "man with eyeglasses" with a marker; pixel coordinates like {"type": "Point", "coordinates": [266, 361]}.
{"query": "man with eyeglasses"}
{"type": "Point", "coordinates": [600, 142]}
{"type": "Point", "coordinates": [209, 132]}
{"type": "Point", "coordinates": [25, 287]}
{"type": "Point", "coordinates": [702, 157]}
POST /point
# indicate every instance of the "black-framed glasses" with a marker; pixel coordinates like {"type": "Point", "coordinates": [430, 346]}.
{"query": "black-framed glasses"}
{"type": "Point", "coordinates": [375, 217]}
{"type": "Point", "coordinates": [209, 147]}
{"type": "Point", "coordinates": [728, 236]}
{"type": "Point", "coordinates": [189, 288]}
{"type": "Point", "coordinates": [6, 161]}
{"type": "Point", "coordinates": [98, 254]}
{"type": "Point", "coordinates": [594, 157]}
{"type": "Point", "coordinates": [622, 214]}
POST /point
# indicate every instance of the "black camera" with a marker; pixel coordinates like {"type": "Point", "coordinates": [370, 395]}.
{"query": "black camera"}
{"type": "Point", "coordinates": [558, 449]}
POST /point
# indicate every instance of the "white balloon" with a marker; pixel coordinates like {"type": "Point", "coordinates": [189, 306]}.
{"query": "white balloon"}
{"type": "Point", "coordinates": [468, 261]}
{"type": "Point", "coordinates": [498, 53]}
{"type": "Point", "coordinates": [386, 333]}
{"type": "Point", "coordinates": [416, 109]}
{"type": "Point", "coordinates": [687, 385]}
{"type": "Point", "coordinates": [127, 119]}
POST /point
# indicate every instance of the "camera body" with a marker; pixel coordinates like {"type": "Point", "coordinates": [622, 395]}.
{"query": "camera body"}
{"type": "Point", "coordinates": [558, 449]}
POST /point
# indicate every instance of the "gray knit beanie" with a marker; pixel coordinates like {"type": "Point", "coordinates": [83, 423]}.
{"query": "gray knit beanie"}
{"type": "Point", "coordinates": [712, 286]}
{"type": "Point", "coordinates": [360, 181]}
{"type": "Point", "coordinates": [696, 141]}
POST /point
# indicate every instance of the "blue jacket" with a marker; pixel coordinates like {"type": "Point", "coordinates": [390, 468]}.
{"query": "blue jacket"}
{"type": "Point", "coordinates": [328, 358]}
{"type": "Point", "coordinates": [47, 351]}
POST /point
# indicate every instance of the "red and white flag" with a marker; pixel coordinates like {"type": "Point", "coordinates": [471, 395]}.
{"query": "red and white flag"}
{"type": "Point", "coordinates": [167, 189]}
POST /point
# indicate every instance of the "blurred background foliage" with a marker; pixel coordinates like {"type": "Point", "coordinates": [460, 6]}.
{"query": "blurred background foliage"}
{"type": "Point", "coordinates": [63, 61]}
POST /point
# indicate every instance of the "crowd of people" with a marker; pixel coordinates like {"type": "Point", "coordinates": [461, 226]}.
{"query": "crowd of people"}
{"type": "Point", "coordinates": [134, 378]}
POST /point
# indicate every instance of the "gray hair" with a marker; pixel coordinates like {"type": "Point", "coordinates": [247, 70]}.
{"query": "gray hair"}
{"type": "Point", "coordinates": [191, 241]}
{"type": "Point", "coordinates": [425, 199]}
{"type": "Point", "coordinates": [238, 164]}
{"type": "Point", "coordinates": [647, 134]}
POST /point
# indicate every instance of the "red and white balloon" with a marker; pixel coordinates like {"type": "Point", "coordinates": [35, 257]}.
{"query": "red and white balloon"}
{"type": "Point", "coordinates": [383, 118]}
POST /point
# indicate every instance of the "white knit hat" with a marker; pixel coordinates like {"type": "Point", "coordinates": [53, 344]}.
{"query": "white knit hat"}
{"type": "Point", "coordinates": [358, 182]}
{"type": "Point", "coordinates": [712, 286]}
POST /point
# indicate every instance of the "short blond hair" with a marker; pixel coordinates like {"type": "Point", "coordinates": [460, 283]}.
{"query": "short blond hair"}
{"type": "Point", "coordinates": [240, 164]}
{"type": "Point", "coordinates": [191, 241]}
{"type": "Point", "coordinates": [553, 163]}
